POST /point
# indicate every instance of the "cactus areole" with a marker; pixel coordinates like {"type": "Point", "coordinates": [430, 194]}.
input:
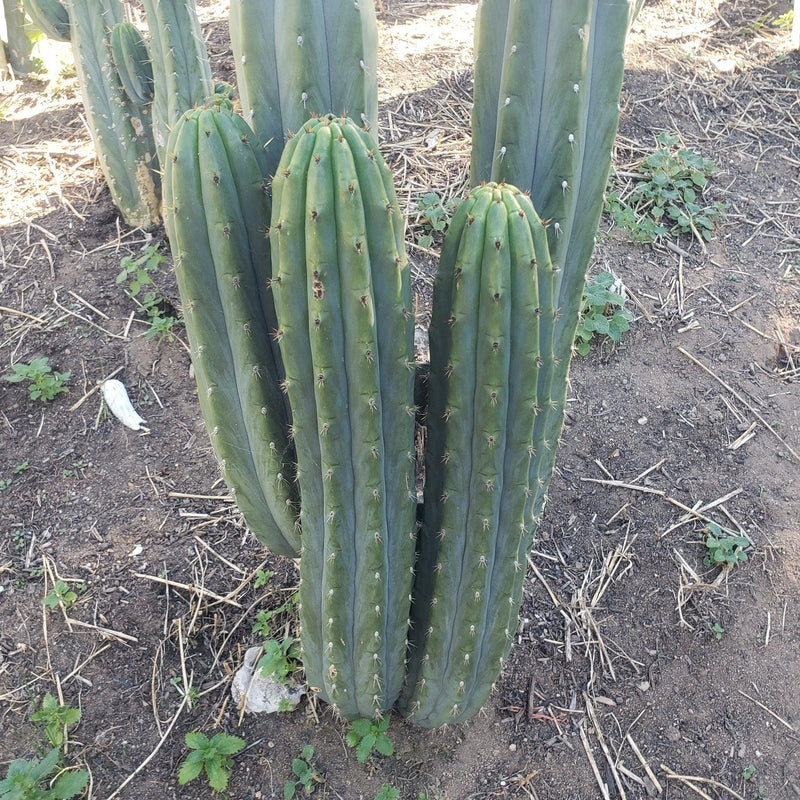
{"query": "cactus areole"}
{"type": "Point", "coordinates": [343, 300]}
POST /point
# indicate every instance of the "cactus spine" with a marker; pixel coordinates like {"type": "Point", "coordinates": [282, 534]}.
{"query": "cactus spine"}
{"type": "Point", "coordinates": [181, 71]}
{"type": "Point", "coordinates": [486, 354]}
{"type": "Point", "coordinates": [120, 128]}
{"type": "Point", "coordinates": [342, 295]}
{"type": "Point", "coordinates": [295, 58]}
{"type": "Point", "coordinates": [217, 212]}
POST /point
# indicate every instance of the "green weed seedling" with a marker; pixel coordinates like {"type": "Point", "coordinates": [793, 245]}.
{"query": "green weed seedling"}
{"type": "Point", "coordinates": [306, 773]}
{"type": "Point", "coordinates": [43, 383]}
{"type": "Point", "coordinates": [139, 272]}
{"type": "Point", "coordinates": [724, 550]}
{"type": "Point", "coordinates": [667, 199]}
{"type": "Point", "coordinates": [367, 735]}
{"type": "Point", "coordinates": [61, 594]}
{"type": "Point", "coordinates": [717, 630]}
{"type": "Point", "coordinates": [56, 718]}
{"type": "Point", "coordinates": [212, 755]}
{"type": "Point", "coordinates": [433, 215]}
{"type": "Point", "coordinates": [387, 792]}
{"type": "Point", "coordinates": [603, 311]}
{"type": "Point", "coordinates": [42, 779]}
{"type": "Point", "coordinates": [280, 659]}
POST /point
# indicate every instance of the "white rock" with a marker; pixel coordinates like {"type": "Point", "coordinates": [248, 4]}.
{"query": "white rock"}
{"type": "Point", "coordinates": [261, 694]}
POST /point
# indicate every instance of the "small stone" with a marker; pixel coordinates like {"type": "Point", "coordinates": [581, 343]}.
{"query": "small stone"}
{"type": "Point", "coordinates": [512, 747]}
{"type": "Point", "coordinates": [673, 734]}
{"type": "Point", "coordinates": [643, 686]}
{"type": "Point", "coordinates": [642, 420]}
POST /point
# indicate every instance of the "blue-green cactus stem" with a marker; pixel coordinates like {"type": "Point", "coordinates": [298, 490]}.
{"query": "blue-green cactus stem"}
{"type": "Point", "coordinates": [217, 212]}
{"type": "Point", "coordinates": [50, 17]}
{"type": "Point", "coordinates": [181, 70]}
{"type": "Point", "coordinates": [132, 60]}
{"type": "Point", "coordinates": [120, 128]}
{"type": "Point", "coordinates": [297, 58]}
{"type": "Point", "coordinates": [485, 363]}
{"type": "Point", "coordinates": [342, 296]}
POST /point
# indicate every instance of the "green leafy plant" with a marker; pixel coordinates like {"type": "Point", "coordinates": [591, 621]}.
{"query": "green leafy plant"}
{"type": "Point", "coordinates": [212, 755]}
{"type": "Point", "coordinates": [139, 272]}
{"type": "Point", "coordinates": [724, 550]}
{"type": "Point", "coordinates": [717, 630]}
{"type": "Point", "coordinates": [387, 792]}
{"type": "Point", "coordinates": [262, 578]}
{"type": "Point", "coordinates": [42, 779]}
{"type": "Point", "coordinates": [306, 773]}
{"type": "Point", "coordinates": [44, 384]}
{"type": "Point", "coordinates": [603, 311]}
{"type": "Point", "coordinates": [367, 735]}
{"type": "Point", "coordinates": [280, 659]}
{"type": "Point", "coordinates": [748, 772]}
{"type": "Point", "coordinates": [62, 594]}
{"type": "Point", "coordinates": [56, 718]}
{"type": "Point", "coordinates": [433, 215]}
{"type": "Point", "coordinates": [667, 198]}
{"type": "Point", "coordinates": [262, 625]}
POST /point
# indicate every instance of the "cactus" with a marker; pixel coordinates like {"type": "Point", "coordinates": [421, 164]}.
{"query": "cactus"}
{"type": "Point", "coordinates": [296, 58]}
{"type": "Point", "coordinates": [18, 45]}
{"type": "Point", "coordinates": [343, 300]}
{"type": "Point", "coordinates": [492, 294]}
{"type": "Point", "coordinates": [181, 71]}
{"type": "Point", "coordinates": [50, 17]}
{"type": "Point", "coordinates": [120, 128]}
{"type": "Point", "coordinates": [217, 214]}
{"type": "Point", "coordinates": [132, 61]}
{"type": "Point", "coordinates": [545, 116]}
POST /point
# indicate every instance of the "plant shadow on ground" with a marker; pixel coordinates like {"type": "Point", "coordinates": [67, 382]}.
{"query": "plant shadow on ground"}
{"type": "Point", "coordinates": [620, 672]}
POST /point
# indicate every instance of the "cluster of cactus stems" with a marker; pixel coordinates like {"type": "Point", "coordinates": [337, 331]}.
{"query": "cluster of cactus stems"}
{"type": "Point", "coordinates": [288, 248]}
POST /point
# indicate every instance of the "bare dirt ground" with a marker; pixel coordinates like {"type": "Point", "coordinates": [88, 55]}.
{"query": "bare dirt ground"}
{"type": "Point", "coordinates": [618, 686]}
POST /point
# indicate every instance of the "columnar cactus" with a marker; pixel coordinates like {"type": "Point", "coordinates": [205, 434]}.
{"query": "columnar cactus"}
{"type": "Point", "coordinates": [50, 17]}
{"type": "Point", "coordinates": [295, 58]}
{"type": "Point", "coordinates": [342, 296]}
{"type": "Point", "coordinates": [120, 128]}
{"type": "Point", "coordinates": [492, 302]}
{"type": "Point", "coordinates": [132, 60]}
{"type": "Point", "coordinates": [547, 84]}
{"type": "Point", "coordinates": [18, 44]}
{"type": "Point", "coordinates": [217, 215]}
{"type": "Point", "coordinates": [181, 70]}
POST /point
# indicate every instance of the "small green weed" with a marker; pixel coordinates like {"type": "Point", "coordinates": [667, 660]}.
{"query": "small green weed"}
{"type": "Point", "coordinates": [433, 216]}
{"type": "Point", "coordinates": [263, 577]}
{"type": "Point", "coordinates": [262, 626]}
{"type": "Point", "coordinates": [61, 594]}
{"type": "Point", "coordinates": [18, 470]}
{"type": "Point", "coordinates": [387, 792]}
{"type": "Point", "coordinates": [724, 550]}
{"type": "Point", "coordinates": [34, 779]}
{"type": "Point", "coordinates": [139, 272]}
{"type": "Point", "coordinates": [194, 694]}
{"type": "Point", "coordinates": [212, 755]}
{"type": "Point", "coordinates": [56, 718]}
{"type": "Point", "coordinates": [280, 659]}
{"type": "Point", "coordinates": [367, 735]}
{"type": "Point", "coordinates": [603, 311]}
{"type": "Point", "coordinates": [667, 198]}
{"type": "Point", "coordinates": [43, 383]}
{"type": "Point", "coordinates": [717, 630]}
{"type": "Point", "coordinates": [306, 773]}
{"type": "Point", "coordinates": [748, 772]}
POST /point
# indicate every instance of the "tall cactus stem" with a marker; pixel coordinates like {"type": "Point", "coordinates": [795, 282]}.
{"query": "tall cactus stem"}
{"type": "Point", "coordinates": [217, 213]}
{"type": "Point", "coordinates": [342, 296]}
{"type": "Point", "coordinates": [50, 17]}
{"type": "Point", "coordinates": [297, 58]}
{"type": "Point", "coordinates": [132, 60]}
{"type": "Point", "coordinates": [485, 363]}
{"type": "Point", "coordinates": [120, 128]}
